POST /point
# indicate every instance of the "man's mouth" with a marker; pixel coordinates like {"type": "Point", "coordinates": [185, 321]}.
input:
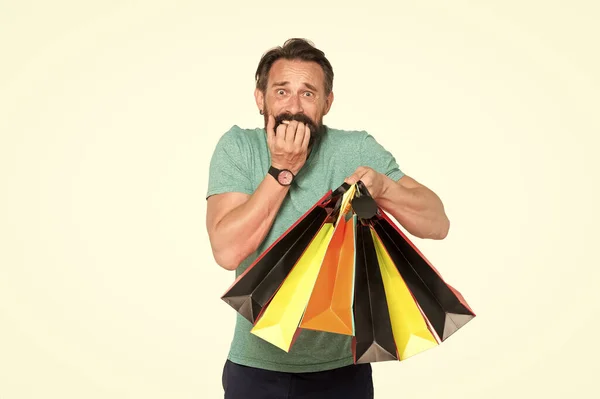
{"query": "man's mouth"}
{"type": "Point", "coordinates": [287, 118]}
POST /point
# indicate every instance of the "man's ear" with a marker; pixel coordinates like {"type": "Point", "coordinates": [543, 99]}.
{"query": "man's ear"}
{"type": "Point", "coordinates": [260, 99]}
{"type": "Point", "coordinates": [328, 103]}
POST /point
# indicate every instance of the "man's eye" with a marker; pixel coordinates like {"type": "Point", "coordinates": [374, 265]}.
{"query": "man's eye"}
{"type": "Point", "coordinates": [281, 92]}
{"type": "Point", "coordinates": [308, 94]}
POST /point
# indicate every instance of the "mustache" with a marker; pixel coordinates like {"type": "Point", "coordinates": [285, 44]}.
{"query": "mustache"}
{"type": "Point", "coordinates": [296, 117]}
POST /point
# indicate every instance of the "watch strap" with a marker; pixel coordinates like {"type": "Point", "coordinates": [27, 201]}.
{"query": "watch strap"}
{"type": "Point", "coordinates": [273, 171]}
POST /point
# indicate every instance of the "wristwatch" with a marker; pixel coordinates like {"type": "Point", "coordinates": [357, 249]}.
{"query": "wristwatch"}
{"type": "Point", "coordinates": [283, 176]}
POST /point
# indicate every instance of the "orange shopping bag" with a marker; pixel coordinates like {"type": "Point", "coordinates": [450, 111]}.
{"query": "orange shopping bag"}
{"type": "Point", "coordinates": [330, 305]}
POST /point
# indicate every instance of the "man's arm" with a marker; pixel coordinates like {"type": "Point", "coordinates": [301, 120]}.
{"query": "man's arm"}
{"type": "Point", "coordinates": [237, 223]}
{"type": "Point", "coordinates": [415, 207]}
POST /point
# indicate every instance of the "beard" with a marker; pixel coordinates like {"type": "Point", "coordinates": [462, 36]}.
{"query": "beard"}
{"type": "Point", "coordinates": [317, 129]}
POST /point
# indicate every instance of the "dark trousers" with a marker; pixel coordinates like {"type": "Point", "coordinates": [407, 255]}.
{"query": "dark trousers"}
{"type": "Point", "coordinates": [350, 382]}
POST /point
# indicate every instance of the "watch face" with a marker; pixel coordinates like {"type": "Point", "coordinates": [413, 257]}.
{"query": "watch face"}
{"type": "Point", "coordinates": [285, 177]}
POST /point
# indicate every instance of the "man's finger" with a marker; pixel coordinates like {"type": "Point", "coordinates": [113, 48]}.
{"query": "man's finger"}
{"type": "Point", "coordinates": [358, 174]}
{"type": "Point", "coordinates": [290, 133]}
{"type": "Point", "coordinates": [280, 133]}
{"type": "Point", "coordinates": [299, 135]}
{"type": "Point", "coordinates": [306, 137]}
{"type": "Point", "coordinates": [351, 179]}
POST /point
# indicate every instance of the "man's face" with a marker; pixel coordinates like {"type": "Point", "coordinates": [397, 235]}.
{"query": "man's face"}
{"type": "Point", "coordinates": [295, 91]}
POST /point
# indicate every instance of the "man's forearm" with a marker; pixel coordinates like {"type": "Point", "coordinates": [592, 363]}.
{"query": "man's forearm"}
{"type": "Point", "coordinates": [241, 231]}
{"type": "Point", "coordinates": [418, 209]}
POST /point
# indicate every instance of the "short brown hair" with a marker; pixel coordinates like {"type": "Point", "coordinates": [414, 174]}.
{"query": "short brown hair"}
{"type": "Point", "coordinates": [293, 49]}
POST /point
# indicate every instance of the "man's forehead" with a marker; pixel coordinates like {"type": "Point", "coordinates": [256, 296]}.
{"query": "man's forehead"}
{"type": "Point", "coordinates": [284, 72]}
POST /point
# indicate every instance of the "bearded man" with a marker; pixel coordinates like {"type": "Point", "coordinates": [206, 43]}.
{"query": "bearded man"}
{"type": "Point", "coordinates": [263, 180]}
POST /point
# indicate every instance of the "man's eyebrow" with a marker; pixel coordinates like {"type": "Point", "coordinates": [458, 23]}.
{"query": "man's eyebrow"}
{"type": "Point", "coordinates": [311, 87]}
{"type": "Point", "coordinates": [285, 82]}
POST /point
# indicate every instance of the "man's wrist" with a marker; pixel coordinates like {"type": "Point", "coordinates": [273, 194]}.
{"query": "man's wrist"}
{"type": "Point", "coordinates": [282, 176]}
{"type": "Point", "coordinates": [388, 183]}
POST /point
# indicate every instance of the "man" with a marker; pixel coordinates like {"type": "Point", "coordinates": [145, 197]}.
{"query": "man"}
{"type": "Point", "coordinates": [262, 180]}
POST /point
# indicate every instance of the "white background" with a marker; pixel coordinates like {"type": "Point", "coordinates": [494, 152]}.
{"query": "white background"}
{"type": "Point", "coordinates": [109, 112]}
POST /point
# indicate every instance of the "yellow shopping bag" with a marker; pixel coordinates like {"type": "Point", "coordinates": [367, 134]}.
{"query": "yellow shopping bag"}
{"type": "Point", "coordinates": [411, 331]}
{"type": "Point", "coordinates": [279, 322]}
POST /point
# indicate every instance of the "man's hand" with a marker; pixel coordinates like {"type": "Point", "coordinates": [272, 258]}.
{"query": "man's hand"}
{"type": "Point", "coordinates": [415, 206]}
{"type": "Point", "coordinates": [374, 181]}
{"type": "Point", "coordinates": [289, 145]}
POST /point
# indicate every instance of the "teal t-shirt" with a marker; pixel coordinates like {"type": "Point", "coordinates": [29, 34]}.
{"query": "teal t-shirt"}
{"type": "Point", "coordinates": [239, 163]}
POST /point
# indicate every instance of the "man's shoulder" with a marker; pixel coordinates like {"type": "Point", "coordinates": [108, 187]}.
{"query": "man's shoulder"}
{"type": "Point", "coordinates": [239, 139]}
{"type": "Point", "coordinates": [338, 136]}
{"type": "Point", "coordinates": [346, 132]}
{"type": "Point", "coordinates": [241, 133]}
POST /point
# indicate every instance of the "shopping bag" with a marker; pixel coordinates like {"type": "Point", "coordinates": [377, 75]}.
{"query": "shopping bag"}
{"type": "Point", "coordinates": [374, 339]}
{"type": "Point", "coordinates": [278, 323]}
{"type": "Point", "coordinates": [252, 289]}
{"type": "Point", "coordinates": [412, 333]}
{"type": "Point", "coordinates": [345, 268]}
{"type": "Point", "coordinates": [329, 308]}
{"type": "Point", "coordinates": [444, 307]}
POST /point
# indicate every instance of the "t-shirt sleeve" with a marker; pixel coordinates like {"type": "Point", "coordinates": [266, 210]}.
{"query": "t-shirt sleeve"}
{"type": "Point", "coordinates": [374, 155]}
{"type": "Point", "coordinates": [229, 165]}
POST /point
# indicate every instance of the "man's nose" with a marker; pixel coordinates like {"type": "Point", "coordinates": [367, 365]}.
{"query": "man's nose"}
{"type": "Point", "coordinates": [294, 105]}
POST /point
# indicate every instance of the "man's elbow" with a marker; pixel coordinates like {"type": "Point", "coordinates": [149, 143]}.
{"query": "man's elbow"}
{"type": "Point", "coordinates": [443, 230]}
{"type": "Point", "coordinates": [230, 258]}
{"type": "Point", "coordinates": [438, 231]}
{"type": "Point", "coordinates": [226, 260]}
